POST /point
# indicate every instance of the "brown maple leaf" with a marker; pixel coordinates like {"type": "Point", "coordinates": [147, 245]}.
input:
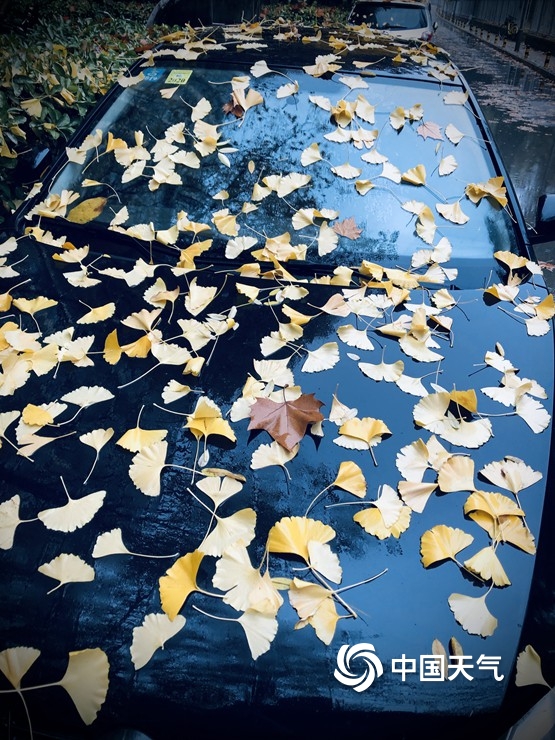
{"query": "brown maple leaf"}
{"type": "Point", "coordinates": [234, 108]}
{"type": "Point", "coordinates": [430, 130]}
{"type": "Point", "coordinates": [347, 228]}
{"type": "Point", "coordinates": [286, 421]}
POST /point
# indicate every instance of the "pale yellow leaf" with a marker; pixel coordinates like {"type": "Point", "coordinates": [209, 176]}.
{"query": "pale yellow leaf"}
{"type": "Point", "coordinates": [67, 568]}
{"type": "Point", "coordinates": [472, 614]}
{"type": "Point", "coordinates": [86, 681]}
{"type": "Point", "coordinates": [151, 635]}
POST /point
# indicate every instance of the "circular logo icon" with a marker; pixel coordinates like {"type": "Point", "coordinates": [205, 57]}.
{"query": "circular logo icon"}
{"type": "Point", "coordinates": [362, 652]}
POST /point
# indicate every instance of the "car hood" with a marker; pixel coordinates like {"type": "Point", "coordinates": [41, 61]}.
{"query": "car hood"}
{"type": "Point", "coordinates": [141, 401]}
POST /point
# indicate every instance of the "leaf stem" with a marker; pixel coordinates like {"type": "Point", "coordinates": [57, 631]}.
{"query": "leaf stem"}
{"type": "Point", "coordinates": [361, 583]}
{"type": "Point", "coordinates": [315, 499]}
{"type": "Point", "coordinates": [213, 616]}
{"type": "Point", "coordinates": [334, 593]}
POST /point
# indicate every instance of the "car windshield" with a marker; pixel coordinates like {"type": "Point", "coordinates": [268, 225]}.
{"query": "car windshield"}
{"type": "Point", "coordinates": [344, 169]}
{"type": "Point", "coordinates": [388, 15]}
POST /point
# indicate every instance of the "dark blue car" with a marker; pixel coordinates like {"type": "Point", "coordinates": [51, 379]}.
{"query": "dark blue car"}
{"type": "Point", "coordinates": [275, 403]}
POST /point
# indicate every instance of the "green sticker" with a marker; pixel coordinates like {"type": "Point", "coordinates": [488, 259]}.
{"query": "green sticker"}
{"type": "Point", "coordinates": [179, 77]}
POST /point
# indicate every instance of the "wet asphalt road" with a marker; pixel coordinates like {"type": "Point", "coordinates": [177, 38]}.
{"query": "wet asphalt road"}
{"type": "Point", "coordinates": [519, 104]}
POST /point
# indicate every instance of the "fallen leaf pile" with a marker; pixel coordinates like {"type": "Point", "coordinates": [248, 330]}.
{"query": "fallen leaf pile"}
{"type": "Point", "coordinates": [229, 381]}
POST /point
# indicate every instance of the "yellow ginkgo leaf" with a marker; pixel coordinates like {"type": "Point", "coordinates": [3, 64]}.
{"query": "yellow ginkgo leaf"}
{"type": "Point", "coordinates": [426, 225]}
{"type": "Point", "coordinates": [324, 560]}
{"type": "Point", "coordinates": [137, 439]}
{"type": "Point", "coordinates": [16, 661]}
{"type": "Point", "coordinates": [87, 210]}
{"type": "Point", "coordinates": [412, 461]}
{"type": "Point", "coordinates": [347, 171]}
{"type": "Point", "coordinates": [512, 529]}
{"type": "Point", "coordinates": [323, 358]}
{"type": "Point", "coordinates": [73, 515]}
{"type": "Point", "coordinates": [168, 92]}
{"type": "Point", "coordinates": [496, 505]}
{"type": "Point", "coordinates": [390, 172]}
{"type": "Point", "coordinates": [33, 305]}
{"type": "Point", "coordinates": [471, 434]}
{"type": "Point", "coordinates": [324, 621]}
{"type": "Point", "coordinates": [260, 630]}
{"type": "Point", "coordinates": [86, 395]}
{"type": "Point", "coordinates": [363, 186]}
{"type": "Point", "coordinates": [533, 413]}
{"type": "Point", "coordinates": [32, 106]}
{"type": "Point", "coordinates": [442, 543]}
{"type": "Point", "coordinates": [493, 188]}
{"type": "Point", "coordinates": [397, 118]}
{"type": "Point", "coordinates": [361, 434]}
{"type": "Point", "coordinates": [456, 474]}
{"type": "Point", "coordinates": [383, 371]}
{"type": "Point", "coordinates": [455, 98]}
{"type": "Point", "coordinates": [219, 488]}
{"type": "Point", "coordinates": [529, 668]}
{"type": "Point", "coordinates": [350, 478]}
{"type": "Point", "coordinates": [96, 439]}
{"type": "Point", "coordinates": [110, 543]}
{"type": "Point", "coordinates": [207, 419]}
{"type": "Point", "coordinates": [453, 212]}
{"type": "Point", "coordinates": [101, 313]}
{"type": "Point", "coordinates": [310, 155]}
{"type": "Point", "coordinates": [511, 473]}
{"type": "Point", "coordinates": [245, 587]}
{"type": "Point", "coordinates": [9, 521]}
{"type": "Point", "coordinates": [487, 565]}
{"type": "Point", "coordinates": [175, 391]}
{"type": "Point", "coordinates": [447, 165]}
{"type": "Point", "coordinates": [415, 176]}
{"type": "Point", "coordinates": [389, 505]}
{"type": "Point", "coordinates": [290, 88]}
{"type": "Point", "coordinates": [225, 222]}
{"type": "Point", "coordinates": [36, 415]}
{"type": "Point", "coordinates": [179, 582]}
{"type": "Point", "coordinates": [272, 454]}
{"type": "Point", "coordinates": [306, 598]}
{"type": "Point", "coordinates": [112, 350]}
{"type": "Point", "coordinates": [238, 528]}
{"type": "Point", "coordinates": [151, 635]}
{"type": "Point", "coordinates": [354, 337]}
{"type": "Point", "coordinates": [416, 495]}
{"type": "Point", "coordinates": [327, 239]}
{"type": "Point", "coordinates": [472, 614]}
{"type": "Point", "coordinates": [147, 466]}
{"type": "Point", "coordinates": [67, 568]}
{"type": "Point", "coordinates": [86, 681]}
{"type": "Point", "coordinates": [291, 535]}
{"type": "Point", "coordinates": [453, 134]}
{"type": "Point", "coordinates": [199, 297]}
{"type": "Point", "coordinates": [372, 521]}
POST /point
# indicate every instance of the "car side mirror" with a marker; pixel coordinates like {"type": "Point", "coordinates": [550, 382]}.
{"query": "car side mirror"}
{"type": "Point", "coordinates": [545, 218]}
{"type": "Point", "coordinates": [435, 25]}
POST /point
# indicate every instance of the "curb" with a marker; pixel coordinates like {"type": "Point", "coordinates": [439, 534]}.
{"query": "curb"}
{"type": "Point", "coordinates": [536, 67]}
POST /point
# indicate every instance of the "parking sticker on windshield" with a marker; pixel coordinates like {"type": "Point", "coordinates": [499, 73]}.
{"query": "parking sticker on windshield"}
{"type": "Point", "coordinates": [179, 77]}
